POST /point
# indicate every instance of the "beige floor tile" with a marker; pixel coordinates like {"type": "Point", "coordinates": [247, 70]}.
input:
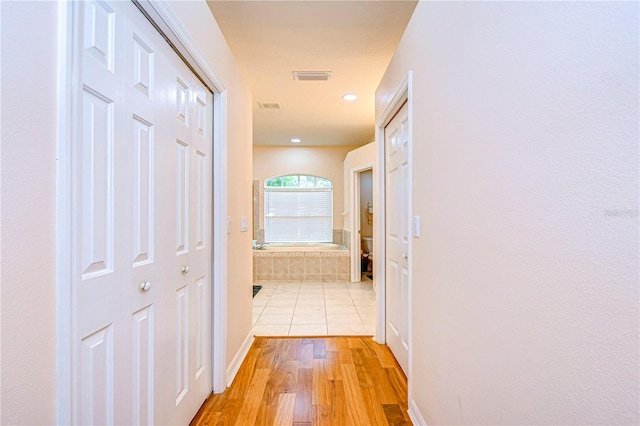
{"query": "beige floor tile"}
{"type": "Point", "coordinates": [271, 330]}
{"type": "Point", "coordinates": [335, 285]}
{"type": "Point", "coordinates": [278, 310]}
{"type": "Point", "coordinates": [368, 318]}
{"type": "Point", "coordinates": [367, 312]}
{"type": "Point", "coordinates": [285, 294]}
{"type": "Point", "coordinates": [341, 309]}
{"type": "Point", "coordinates": [360, 286]}
{"type": "Point", "coordinates": [261, 300]}
{"type": "Point", "coordinates": [274, 319]}
{"type": "Point", "coordinates": [339, 301]}
{"type": "Point", "coordinates": [343, 319]}
{"type": "Point", "coordinates": [308, 330]}
{"type": "Point", "coordinates": [316, 301]}
{"type": "Point", "coordinates": [311, 292]}
{"type": "Point", "coordinates": [318, 318]}
{"type": "Point", "coordinates": [311, 285]}
{"type": "Point", "coordinates": [346, 330]}
{"type": "Point", "coordinates": [360, 303]}
{"type": "Point", "coordinates": [370, 329]}
{"type": "Point", "coordinates": [303, 296]}
{"type": "Point", "coordinates": [337, 294]}
{"type": "Point", "coordinates": [362, 294]}
{"type": "Point", "coordinates": [282, 302]}
{"type": "Point", "coordinates": [306, 310]}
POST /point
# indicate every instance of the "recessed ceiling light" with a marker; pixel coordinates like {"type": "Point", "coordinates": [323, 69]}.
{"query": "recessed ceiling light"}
{"type": "Point", "coordinates": [350, 97]}
{"type": "Point", "coordinates": [296, 140]}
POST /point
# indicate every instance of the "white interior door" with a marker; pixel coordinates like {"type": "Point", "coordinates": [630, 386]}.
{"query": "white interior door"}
{"type": "Point", "coordinates": [396, 136]}
{"type": "Point", "coordinates": [140, 212]}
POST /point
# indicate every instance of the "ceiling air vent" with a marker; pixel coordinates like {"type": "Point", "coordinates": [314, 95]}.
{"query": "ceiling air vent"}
{"type": "Point", "coordinates": [311, 75]}
{"type": "Point", "coordinates": [269, 105]}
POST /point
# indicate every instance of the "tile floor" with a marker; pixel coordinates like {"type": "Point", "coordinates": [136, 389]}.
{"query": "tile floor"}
{"type": "Point", "coordinates": [314, 309]}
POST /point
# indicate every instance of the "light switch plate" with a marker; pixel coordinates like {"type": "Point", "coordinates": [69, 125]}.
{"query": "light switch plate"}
{"type": "Point", "coordinates": [416, 226]}
{"type": "Point", "coordinates": [228, 224]}
{"type": "Point", "coordinates": [244, 224]}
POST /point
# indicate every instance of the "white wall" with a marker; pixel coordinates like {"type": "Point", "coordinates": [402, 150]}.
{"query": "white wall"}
{"type": "Point", "coordinates": [356, 159]}
{"type": "Point", "coordinates": [28, 292]}
{"type": "Point", "coordinates": [198, 19]}
{"type": "Point", "coordinates": [525, 153]}
{"type": "Point", "coordinates": [272, 161]}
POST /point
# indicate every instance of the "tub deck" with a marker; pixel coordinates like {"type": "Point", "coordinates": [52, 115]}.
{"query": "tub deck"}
{"type": "Point", "coordinates": [308, 262]}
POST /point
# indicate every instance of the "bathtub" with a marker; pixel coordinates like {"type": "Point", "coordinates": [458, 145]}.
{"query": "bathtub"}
{"type": "Point", "coordinates": [303, 247]}
{"type": "Point", "coordinates": [301, 262]}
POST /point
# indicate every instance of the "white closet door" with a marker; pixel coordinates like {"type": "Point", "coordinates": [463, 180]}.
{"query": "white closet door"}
{"type": "Point", "coordinates": [396, 136]}
{"type": "Point", "coordinates": [142, 198]}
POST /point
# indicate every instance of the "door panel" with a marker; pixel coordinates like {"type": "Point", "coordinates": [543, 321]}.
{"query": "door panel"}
{"type": "Point", "coordinates": [182, 198]}
{"type": "Point", "coordinates": [141, 325]}
{"type": "Point", "coordinates": [143, 192]}
{"type": "Point", "coordinates": [142, 377]}
{"type": "Point", "coordinates": [397, 235]}
{"type": "Point", "coordinates": [96, 377]}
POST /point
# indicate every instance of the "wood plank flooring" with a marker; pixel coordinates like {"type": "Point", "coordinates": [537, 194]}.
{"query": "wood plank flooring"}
{"type": "Point", "coordinates": [336, 381]}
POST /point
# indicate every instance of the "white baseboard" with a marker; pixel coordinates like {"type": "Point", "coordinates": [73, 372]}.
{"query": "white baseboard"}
{"type": "Point", "coordinates": [233, 368]}
{"type": "Point", "coordinates": [415, 415]}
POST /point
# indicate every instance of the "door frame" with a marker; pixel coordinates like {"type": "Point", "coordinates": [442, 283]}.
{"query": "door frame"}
{"type": "Point", "coordinates": [390, 108]}
{"type": "Point", "coordinates": [354, 218]}
{"type": "Point", "coordinates": [166, 22]}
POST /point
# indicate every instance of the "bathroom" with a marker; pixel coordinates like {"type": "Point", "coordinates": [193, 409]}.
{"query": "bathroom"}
{"type": "Point", "coordinates": [365, 178]}
{"type": "Point", "coordinates": [310, 287]}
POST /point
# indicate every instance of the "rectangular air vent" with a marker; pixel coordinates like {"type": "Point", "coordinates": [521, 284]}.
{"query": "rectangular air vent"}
{"type": "Point", "coordinates": [311, 75]}
{"type": "Point", "coordinates": [269, 105]}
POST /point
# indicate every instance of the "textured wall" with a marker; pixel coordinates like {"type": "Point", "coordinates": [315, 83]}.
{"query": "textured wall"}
{"type": "Point", "coordinates": [28, 292]}
{"type": "Point", "coordinates": [525, 176]}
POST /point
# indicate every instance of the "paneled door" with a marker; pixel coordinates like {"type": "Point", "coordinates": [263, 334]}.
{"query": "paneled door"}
{"type": "Point", "coordinates": [141, 214]}
{"type": "Point", "coordinates": [396, 137]}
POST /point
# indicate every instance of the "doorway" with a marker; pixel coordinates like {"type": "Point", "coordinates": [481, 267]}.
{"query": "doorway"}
{"type": "Point", "coordinates": [363, 225]}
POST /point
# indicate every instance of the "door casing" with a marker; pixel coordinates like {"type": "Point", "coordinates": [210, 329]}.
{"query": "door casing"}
{"type": "Point", "coordinates": [167, 23]}
{"type": "Point", "coordinates": [401, 95]}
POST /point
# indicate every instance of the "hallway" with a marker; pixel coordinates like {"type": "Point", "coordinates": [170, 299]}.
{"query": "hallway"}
{"type": "Point", "coordinates": [335, 381]}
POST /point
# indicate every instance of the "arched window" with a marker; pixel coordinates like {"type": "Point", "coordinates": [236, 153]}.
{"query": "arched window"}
{"type": "Point", "coordinates": [298, 208]}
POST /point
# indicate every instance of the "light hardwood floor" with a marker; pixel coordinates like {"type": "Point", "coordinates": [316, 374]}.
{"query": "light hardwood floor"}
{"type": "Point", "coordinates": [336, 381]}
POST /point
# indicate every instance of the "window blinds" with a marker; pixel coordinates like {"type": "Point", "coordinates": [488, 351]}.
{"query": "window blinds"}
{"type": "Point", "coordinates": [298, 215]}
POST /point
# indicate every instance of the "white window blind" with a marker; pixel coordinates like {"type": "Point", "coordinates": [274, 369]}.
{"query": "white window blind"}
{"type": "Point", "coordinates": [294, 215]}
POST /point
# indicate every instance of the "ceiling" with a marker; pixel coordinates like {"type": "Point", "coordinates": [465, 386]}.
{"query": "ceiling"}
{"type": "Point", "coordinates": [354, 40]}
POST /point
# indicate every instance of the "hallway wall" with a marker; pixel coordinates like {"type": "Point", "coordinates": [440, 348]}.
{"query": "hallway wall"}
{"type": "Point", "coordinates": [525, 176]}
{"type": "Point", "coordinates": [28, 247]}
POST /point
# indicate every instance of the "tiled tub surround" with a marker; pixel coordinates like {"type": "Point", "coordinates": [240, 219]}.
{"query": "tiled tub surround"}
{"type": "Point", "coordinates": [300, 264]}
